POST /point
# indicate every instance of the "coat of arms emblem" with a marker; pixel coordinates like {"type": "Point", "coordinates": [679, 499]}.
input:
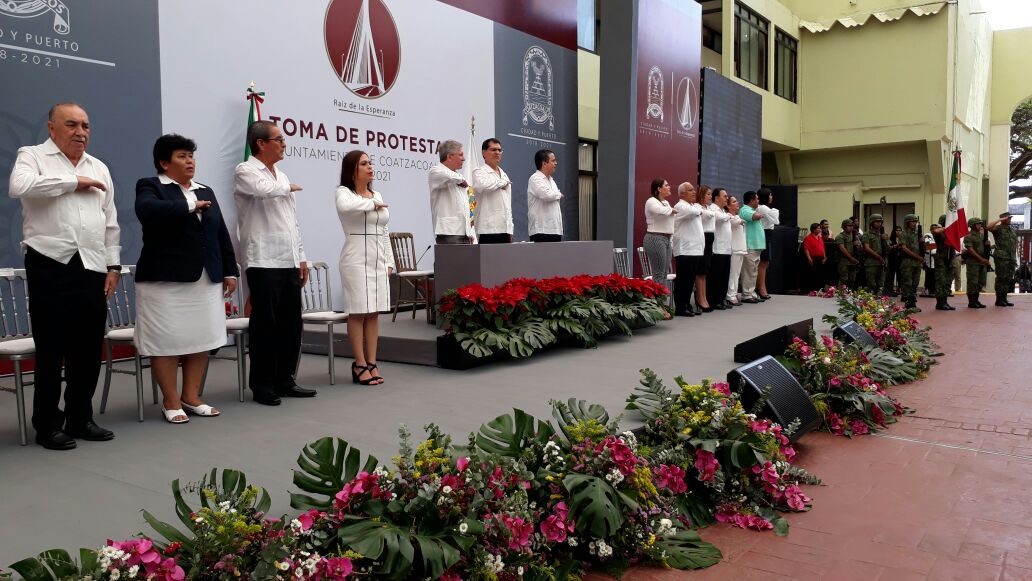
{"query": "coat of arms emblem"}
{"type": "Point", "coordinates": [537, 88]}
{"type": "Point", "coordinates": [654, 109]}
{"type": "Point", "coordinates": [34, 8]}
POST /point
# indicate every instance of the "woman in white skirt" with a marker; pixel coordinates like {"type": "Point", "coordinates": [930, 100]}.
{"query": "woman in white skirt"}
{"type": "Point", "coordinates": [186, 268]}
{"type": "Point", "coordinates": [366, 262]}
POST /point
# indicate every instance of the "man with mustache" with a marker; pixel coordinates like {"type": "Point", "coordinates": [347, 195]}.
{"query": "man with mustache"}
{"type": "Point", "coordinates": [72, 252]}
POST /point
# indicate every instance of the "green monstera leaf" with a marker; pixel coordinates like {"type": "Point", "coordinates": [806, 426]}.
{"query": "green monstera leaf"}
{"type": "Point", "coordinates": [651, 397]}
{"type": "Point", "coordinates": [685, 550]}
{"type": "Point", "coordinates": [403, 551]}
{"type": "Point", "coordinates": [596, 506]}
{"type": "Point", "coordinates": [327, 464]}
{"type": "Point", "coordinates": [212, 489]}
{"type": "Point", "coordinates": [56, 565]}
{"type": "Point", "coordinates": [509, 435]}
{"type": "Point", "coordinates": [573, 411]}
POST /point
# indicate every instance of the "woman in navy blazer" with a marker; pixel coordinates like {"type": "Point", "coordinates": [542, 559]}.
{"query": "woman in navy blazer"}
{"type": "Point", "coordinates": [186, 268]}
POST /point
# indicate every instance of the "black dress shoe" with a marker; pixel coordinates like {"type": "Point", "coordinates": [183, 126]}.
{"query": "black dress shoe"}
{"type": "Point", "coordinates": [721, 307]}
{"type": "Point", "coordinates": [266, 398]}
{"type": "Point", "coordinates": [751, 301]}
{"type": "Point", "coordinates": [90, 431]}
{"type": "Point", "coordinates": [55, 440]}
{"type": "Point", "coordinates": [295, 391]}
{"type": "Point", "coordinates": [764, 297]}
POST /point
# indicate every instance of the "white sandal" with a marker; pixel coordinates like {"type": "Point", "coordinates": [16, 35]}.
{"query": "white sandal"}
{"type": "Point", "coordinates": [203, 410]}
{"type": "Point", "coordinates": [171, 415]}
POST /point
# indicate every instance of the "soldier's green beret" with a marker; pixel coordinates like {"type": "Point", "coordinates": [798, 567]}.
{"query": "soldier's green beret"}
{"type": "Point", "coordinates": [875, 218]}
{"type": "Point", "coordinates": [1005, 215]}
{"type": "Point", "coordinates": [847, 222]}
{"type": "Point", "coordinates": [911, 218]}
{"type": "Point", "coordinates": [942, 220]}
{"type": "Point", "coordinates": [973, 221]}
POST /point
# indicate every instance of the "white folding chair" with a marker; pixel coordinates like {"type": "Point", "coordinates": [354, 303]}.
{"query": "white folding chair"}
{"type": "Point", "coordinates": [16, 344]}
{"type": "Point", "coordinates": [237, 325]}
{"type": "Point", "coordinates": [318, 307]}
{"type": "Point", "coordinates": [621, 265]}
{"type": "Point", "coordinates": [122, 331]}
{"type": "Point", "coordinates": [404, 248]}
{"type": "Point", "coordinates": [646, 273]}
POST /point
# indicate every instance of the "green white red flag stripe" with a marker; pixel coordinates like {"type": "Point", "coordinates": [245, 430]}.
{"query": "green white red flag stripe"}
{"type": "Point", "coordinates": [956, 220]}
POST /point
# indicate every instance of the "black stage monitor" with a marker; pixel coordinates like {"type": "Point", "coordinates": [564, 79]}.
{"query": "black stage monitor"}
{"type": "Point", "coordinates": [786, 400]}
{"type": "Point", "coordinates": [774, 342]}
{"type": "Point", "coordinates": [852, 332]}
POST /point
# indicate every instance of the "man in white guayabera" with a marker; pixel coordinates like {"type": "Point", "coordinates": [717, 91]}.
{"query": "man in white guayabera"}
{"type": "Point", "coordinates": [449, 196]}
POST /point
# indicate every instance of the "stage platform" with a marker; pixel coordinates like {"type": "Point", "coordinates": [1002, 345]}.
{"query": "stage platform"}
{"type": "Point", "coordinates": [406, 340]}
{"type": "Point", "coordinates": [82, 497]}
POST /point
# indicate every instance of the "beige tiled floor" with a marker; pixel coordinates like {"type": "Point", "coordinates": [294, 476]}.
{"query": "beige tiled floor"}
{"type": "Point", "coordinates": [944, 494]}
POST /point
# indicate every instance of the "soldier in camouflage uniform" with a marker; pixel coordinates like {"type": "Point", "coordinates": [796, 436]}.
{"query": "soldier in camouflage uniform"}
{"type": "Point", "coordinates": [974, 245]}
{"type": "Point", "coordinates": [944, 254]}
{"type": "Point", "coordinates": [910, 266]}
{"type": "Point", "coordinates": [875, 246]}
{"type": "Point", "coordinates": [847, 263]}
{"type": "Point", "coordinates": [1004, 257]}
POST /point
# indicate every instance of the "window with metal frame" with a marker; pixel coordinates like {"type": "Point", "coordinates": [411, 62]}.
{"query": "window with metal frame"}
{"type": "Point", "coordinates": [751, 41]}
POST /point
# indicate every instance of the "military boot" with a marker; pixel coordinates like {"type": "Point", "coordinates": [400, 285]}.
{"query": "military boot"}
{"type": "Point", "coordinates": [1001, 300]}
{"type": "Point", "coordinates": [973, 301]}
{"type": "Point", "coordinates": [949, 307]}
{"type": "Point", "coordinates": [940, 304]}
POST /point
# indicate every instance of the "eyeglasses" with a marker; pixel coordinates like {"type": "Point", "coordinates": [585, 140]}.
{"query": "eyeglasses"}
{"type": "Point", "coordinates": [279, 139]}
{"type": "Point", "coordinates": [495, 149]}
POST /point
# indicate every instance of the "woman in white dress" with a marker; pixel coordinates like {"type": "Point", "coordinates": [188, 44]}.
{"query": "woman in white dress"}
{"type": "Point", "coordinates": [185, 270]}
{"type": "Point", "coordinates": [366, 262]}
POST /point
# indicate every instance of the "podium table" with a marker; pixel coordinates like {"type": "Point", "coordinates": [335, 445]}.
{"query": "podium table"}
{"type": "Point", "coordinates": [456, 265]}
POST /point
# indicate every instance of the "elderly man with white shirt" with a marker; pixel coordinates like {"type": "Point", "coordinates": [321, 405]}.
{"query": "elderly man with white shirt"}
{"type": "Point", "coordinates": [270, 240]}
{"type": "Point", "coordinates": [72, 252]}
{"type": "Point", "coordinates": [544, 217]}
{"type": "Point", "coordinates": [493, 191]}
{"type": "Point", "coordinates": [449, 196]}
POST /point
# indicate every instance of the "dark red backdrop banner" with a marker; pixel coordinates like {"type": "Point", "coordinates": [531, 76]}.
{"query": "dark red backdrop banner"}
{"type": "Point", "coordinates": [669, 65]}
{"type": "Point", "coordinates": [551, 20]}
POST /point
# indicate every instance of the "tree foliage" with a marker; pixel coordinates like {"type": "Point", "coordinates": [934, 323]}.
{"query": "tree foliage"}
{"type": "Point", "coordinates": [1021, 142]}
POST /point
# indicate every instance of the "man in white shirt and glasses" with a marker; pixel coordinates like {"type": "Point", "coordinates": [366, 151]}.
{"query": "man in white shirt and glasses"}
{"type": "Point", "coordinates": [449, 196]}
{"type": "Point", "coordinates": [493, 191]}
{"type": "Point", "coordinates": [72, 252]}
{"type": "Point", "coordinates": [544, 217]}
{"type": "Point", "coordinates": [270, 241]}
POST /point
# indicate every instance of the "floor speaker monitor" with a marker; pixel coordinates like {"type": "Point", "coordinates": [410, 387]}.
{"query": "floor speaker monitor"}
{"type": "Point", "coordinates": [774, 342]}
{"type": "Point", "coordinates": [852, 332]}
{"type": "Point", "coordinates": [786, 400]}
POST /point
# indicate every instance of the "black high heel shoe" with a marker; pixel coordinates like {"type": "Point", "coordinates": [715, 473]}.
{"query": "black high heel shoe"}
{"type": "Point", "coordinates": [357, 370]}
{"type": "Point", "coordinates": [371, 367]}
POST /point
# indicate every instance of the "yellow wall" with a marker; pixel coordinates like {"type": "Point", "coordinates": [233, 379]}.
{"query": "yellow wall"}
{"type": "Point", "coordinates": [780, 116]}
{"type": "Point", "coordinates": [1012, 72]}
{"type": "Point", "coordinates": [712, 60]}
{"type": "Point", "coordinates": [587, 94]}
{"type": "Point", "coordinates": [879, 83]}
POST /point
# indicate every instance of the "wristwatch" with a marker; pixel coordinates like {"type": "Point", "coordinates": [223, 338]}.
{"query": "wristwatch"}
{"type": "Point", "coordinates": [114, 268]}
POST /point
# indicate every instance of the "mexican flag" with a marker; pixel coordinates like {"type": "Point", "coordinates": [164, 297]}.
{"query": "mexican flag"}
{"type": "Point", "coordinates": [472, 153]}
{"type": "Point", "coordinates": [254, 114]}
{"type": "Point", "coordinates": [956, 220]}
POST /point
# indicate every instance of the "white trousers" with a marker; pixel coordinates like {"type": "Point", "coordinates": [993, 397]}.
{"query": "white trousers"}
{"type": "Point", "coordinates": [736, 273]}
{"type": "Point", "coordinates": [749, 268]}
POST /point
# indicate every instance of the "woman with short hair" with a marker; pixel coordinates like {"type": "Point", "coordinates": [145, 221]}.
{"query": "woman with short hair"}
{"type": "Point", "coordinates": [186, 268]}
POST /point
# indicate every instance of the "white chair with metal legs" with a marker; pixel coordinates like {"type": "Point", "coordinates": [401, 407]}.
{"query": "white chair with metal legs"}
{"type": "Point", "coordinates": [16, 344]}
{"type": "Point", "coordinates": [237, 325]}
{"type": "Point", "coordinates": [646, 273]}
{"type": "Point", "coordinates": [122, 331]}
{"type": "Point", "coordinates": [621, 264]}
{"type": "Point", "coordinates": [318, 307]}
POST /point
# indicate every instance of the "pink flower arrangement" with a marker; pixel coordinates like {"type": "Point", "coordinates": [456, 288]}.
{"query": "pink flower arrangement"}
{"type": "Point", "coordinates": [622, 454]}
{"type": "Point", "coordinates": [557, 526]}
{"type": "Point", "coordinates": [335, 569]}
{"type": "Point", "coordinates": [706, 463]}
{"type": "Point", "coordinates": [745, 521]}
{"type": "Point", "coordinates": [671, 477]}
{"type": "Point", "coordinates": [795, 498]}
{"type": "Point", "coordinates": [519, 532]}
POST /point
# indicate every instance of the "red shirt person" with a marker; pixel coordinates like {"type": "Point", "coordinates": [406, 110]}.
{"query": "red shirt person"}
{"type": "Point", "coordinates": [813, 251]}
